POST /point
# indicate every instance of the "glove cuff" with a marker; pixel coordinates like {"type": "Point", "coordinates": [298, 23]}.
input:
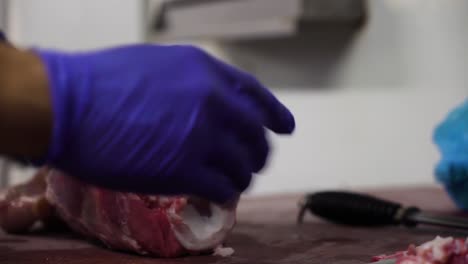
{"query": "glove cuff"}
{"type": "Point", "coordinates": [450, 137]}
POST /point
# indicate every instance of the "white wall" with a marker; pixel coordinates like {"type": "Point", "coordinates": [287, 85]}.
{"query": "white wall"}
{"type": "Point", "coordinates": [73, 25]}
{"type": "Point", "coordinates": [385, 91]}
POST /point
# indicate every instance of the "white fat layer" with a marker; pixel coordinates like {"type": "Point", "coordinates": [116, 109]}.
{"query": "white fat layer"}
{"type": "Point", "coordinates": [437, 247]}
{"type": "Point", "coordinates": [201, 232]}
{"type": "Point", "coordinates": [202, 227]}
{"type": "Point", "coordinates": [131, 242]}
{"type": "Point", "coordinates": [28, 199]}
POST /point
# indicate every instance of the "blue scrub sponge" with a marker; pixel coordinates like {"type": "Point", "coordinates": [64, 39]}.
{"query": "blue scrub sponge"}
{"type": "Point", "coordinates": [451, 138]}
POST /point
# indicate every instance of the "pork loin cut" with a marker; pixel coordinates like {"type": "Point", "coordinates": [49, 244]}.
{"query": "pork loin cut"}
{"type": "Point", "coordinates": [438, 251]}
{"type": "Point", "coordinates": [144, 224]}
{"type": "Point", "coordinates": [23, 205]}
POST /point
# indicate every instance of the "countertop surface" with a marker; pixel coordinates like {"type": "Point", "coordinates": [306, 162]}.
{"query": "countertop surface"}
{"type": "Point", "coordinates": [266, 233]}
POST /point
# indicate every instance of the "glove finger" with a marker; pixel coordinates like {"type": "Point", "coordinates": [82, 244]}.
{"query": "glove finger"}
{"type": "Point", "coordinates": [239, 117]}
{"type": "Point", "coordinates": [235, 114]}
{"type": "Point", "coordinates": [276, 116]}
{"type": "Point", "coordinates": [212, 185]}
{"type": "Point", "coordinates": [261, 150]}
{"type": "Point", "coordinates": [233, 159]}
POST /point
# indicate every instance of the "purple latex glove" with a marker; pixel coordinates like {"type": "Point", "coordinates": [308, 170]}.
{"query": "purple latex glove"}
{"type": "Point", "coordinates": [159, 119]}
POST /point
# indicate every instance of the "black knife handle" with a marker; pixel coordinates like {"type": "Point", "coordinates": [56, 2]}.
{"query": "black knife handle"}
{"type": "Point", "coordinates": [354, 209]}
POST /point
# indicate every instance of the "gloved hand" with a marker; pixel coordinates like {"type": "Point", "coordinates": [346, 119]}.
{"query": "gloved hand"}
{"type": "Point", "coordinates": [451, 137]}
{"type": "Point", "coordinates": [159, 119]}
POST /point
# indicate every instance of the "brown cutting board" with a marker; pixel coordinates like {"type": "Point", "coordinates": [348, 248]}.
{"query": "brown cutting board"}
{"type": "Point", "coordinates": [266, 233]}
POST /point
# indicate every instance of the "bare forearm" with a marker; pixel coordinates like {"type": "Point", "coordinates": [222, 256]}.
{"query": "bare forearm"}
{"type": "Point", "coordinates": [25, 107]}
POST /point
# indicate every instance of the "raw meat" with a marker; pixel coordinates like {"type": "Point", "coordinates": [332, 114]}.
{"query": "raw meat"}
{"type": "Point", "coordinates": [25, 204]}
{"type": "Point", "coordinates": [438, 251]}
{"type": "Point", "coordinates": [144, 224]}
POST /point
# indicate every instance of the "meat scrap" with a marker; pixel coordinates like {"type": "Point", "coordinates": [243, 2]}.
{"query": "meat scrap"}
{"type": "Point", "coordinates": [447, 250]}
{"type": "Point", "coordinates": [145, 224]}
{"type": "Point", "coordinates": [223, 251]}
